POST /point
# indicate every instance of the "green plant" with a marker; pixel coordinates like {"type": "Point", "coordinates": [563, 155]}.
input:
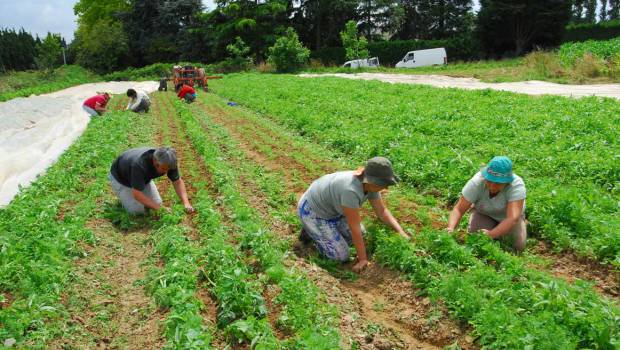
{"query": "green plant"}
{"type": "Point", "coordinates": [303, 309]}
{"type": "Point", "coordinates": [288, 54]}
{"type": "Point", "coordinates": [22, 84]}
{"type": "Point", "coordinates": [605, 49]}
{"type": "Point", "coordinates": [240, 59]}
{"type": "Point", "coordinates": [544, 64]}
{"type": "Point", "coordinates": [589, 66]}
{"type": "Point", "coordinates": [44, 227]}
{"type": "Point", "coordinates": [355, 48]}
{"type": "Point", "coordinates": [566, 156]}
{"type": "Point", "coordinates": [48, 53]}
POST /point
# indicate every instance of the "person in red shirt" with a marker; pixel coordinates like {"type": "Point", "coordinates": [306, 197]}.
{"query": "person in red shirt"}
{"type": "Point", "coordinates": [96, 105]}
{"type": "Point", "coordinates": [187, 92]}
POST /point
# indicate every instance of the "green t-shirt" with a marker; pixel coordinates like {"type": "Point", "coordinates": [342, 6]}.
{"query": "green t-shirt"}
{"type": "Point", "coordinates": [328, 194]}
{"type": "Point", "coordinates": [477, 193]}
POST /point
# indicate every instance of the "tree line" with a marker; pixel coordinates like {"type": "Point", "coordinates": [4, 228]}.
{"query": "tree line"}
{"type": "Point", "coordinates": [19, 50]}
{"type": "Point", "coordinates": [116, 34]}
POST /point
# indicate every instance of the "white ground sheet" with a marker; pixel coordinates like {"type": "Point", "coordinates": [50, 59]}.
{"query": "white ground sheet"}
{"type": "Point", "coordinates": [532, 87]}
{"type": "Point", "coordinates": [36, 130]}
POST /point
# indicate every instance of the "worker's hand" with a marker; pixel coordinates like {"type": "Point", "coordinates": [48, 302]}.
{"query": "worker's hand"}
{"type": "Point", "coordinates": [405, 235]}
{"type": "Point", "coordinates": [189, 209]}
{"type": "Point", "coordinates": [449, 230]}
{"type": "Point", "coordinates": [359, 266]}
{"type": "Point", "coordinates": [163, 209]}
{"type": "Point", "coordinates": [485, 231]}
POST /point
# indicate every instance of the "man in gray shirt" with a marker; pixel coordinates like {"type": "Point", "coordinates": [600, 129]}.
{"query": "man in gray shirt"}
{"type": "Point", "coordinates": [132, 173]}
{"type": "Point", "coordinates": [330, 209]}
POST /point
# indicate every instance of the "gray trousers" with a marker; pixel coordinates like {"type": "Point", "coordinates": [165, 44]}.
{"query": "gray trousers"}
{"type": "Point", "coordinates": [516, 236]}
{"type": "Point", "coordinates": [125, 195]}
{"type": "Point", "coordinates": [143, 106]}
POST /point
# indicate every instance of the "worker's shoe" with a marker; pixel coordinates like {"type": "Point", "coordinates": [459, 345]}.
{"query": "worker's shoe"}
{"type": "Point", "coordinates": [304, 236]}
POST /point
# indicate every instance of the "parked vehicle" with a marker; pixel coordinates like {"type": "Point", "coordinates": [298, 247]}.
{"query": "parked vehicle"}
{"type": "Point", "coordinates": [421, 58]}
{"type": "Point", "coordinates": [372, 62]}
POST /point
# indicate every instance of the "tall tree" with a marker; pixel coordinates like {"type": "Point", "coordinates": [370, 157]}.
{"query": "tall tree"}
{"type": "Point", "coordinates": [93, 47]}
{"type": "Point", "coordinates": [590, 11]}
{"type": "Point", "coordinates": [517, 26]}
{"type": "Point", "coordinates": [319, 22]}
{"type": "Point", "coordinates": [355, 47]}
{"type": "Point", "coordinates": [378, 17]}
{"type": "Point", "coordinates": [258, 24]}
{"type": "Point", "coordinates": [89, 12]}
{"type": "Point", "coordinates": [18, 50]}
{"type": "Point", "coordinates": [157, 30]}
{"type": "Point", "coordinates": [103, 48]}
{"type": "Point", "coordinates": [614, 9]}
{"type": "Point", "coordinates": [48, 53]}
{"type": "Point", "coordinates": [435, 19]}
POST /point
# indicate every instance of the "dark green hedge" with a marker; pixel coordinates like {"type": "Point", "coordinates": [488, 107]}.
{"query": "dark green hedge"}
{"type": "Point", "coordinates": [588, 31]}
{"type": "Point", "coordinates": [389, 52]}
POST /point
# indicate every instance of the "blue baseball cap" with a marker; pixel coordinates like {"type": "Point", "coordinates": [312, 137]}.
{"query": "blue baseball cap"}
{"type": "Point", "coordinates": [499, 170]}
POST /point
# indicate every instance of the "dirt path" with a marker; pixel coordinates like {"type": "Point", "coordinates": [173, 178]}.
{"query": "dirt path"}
{"type": "Point", "coordinates": [378, 310]}
{"type": "Point", "coordinates": [532, 87]}
{"type": "Point", "coordinates": [108, 307]}
{"type": "Point", "coordinates": [280, 153]}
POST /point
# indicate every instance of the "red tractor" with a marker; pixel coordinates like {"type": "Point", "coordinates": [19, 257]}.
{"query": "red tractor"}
{"type": "Point", "coordinates": [192, 76]}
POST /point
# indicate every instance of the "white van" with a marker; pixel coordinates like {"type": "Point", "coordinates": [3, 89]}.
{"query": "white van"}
{"type": "Point", "coordinates": [366, 63]}
{"type": "Point", "coordinates": [421, 58]}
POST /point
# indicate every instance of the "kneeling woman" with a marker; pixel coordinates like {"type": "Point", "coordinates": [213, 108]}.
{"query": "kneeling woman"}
{"type": "Point", "coordinates": [497, 199]}
{"type": "Point", "coordinates": [330, 209]}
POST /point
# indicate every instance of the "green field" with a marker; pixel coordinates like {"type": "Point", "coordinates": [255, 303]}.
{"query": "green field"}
{"type": "Point", "coordinates": [566, 150]}
{"type": "Point", "coordinates": [23, 84]}
{"type": "Point", "coordinates": [77, 272]}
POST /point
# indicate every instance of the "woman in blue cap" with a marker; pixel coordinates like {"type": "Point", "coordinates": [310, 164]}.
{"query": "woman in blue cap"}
{"type": "Point", "coordinates": [497, 198]}
{"type": "Point", "coordinates": [330, 209]}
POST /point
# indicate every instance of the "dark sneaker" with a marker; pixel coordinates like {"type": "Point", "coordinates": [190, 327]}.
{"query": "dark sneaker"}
{"type": "Point", "coordinates": [304, 236]}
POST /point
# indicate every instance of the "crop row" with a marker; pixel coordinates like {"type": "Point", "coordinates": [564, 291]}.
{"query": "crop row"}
{"type": "Point", "coordinates": [303, 310]}
{"type": "Point", "coordinates": [566, 150]}
{"type": "Point", "coordinates": [509, 304]}
{"type": "Point", "coordinates": [43, 226]}
{"type": "Point", "coordinates": [175, 284]}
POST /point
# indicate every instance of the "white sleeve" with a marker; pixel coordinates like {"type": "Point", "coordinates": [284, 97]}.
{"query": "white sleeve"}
{"type": "Point", "coordinates": [471, 190]}
{"type": "Point", "coordinates": [136, 103]}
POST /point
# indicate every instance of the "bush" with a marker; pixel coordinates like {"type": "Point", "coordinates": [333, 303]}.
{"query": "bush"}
{"type": "Point", "coordinates": [48, 53]}
{"type": "Point", "coordinates": [589, 66]}
{"type": "Point", "coordinates": [592, 31]}
{"type": "Point", "coordinates": [354, 46]}
{"type": "Point", "coordinates": [103, 48]}
{"type": "Point", "coordinates": [603, 49]}
{"type": "Point", "coordinates": [288, 54]}
{"type": "Point", "coordinates": [544, 64]}
{"type": "Point", "coordinates": [239, 59]}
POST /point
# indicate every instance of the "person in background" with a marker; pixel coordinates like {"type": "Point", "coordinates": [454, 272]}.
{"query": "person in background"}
{"type": "Point", "coordinates": [132, 173]}
{"type": "Point", "coordinates": [330, 209]}
{"type": "Point", "coordinates": [96, 105]}
{"type": "Point", "coordinates": [187, 92]}
{"type": "Point", "coordinates": [496, 197]}
{"type": "Point", "coordinates": [138, 101]}
{"type": "Point", "coordinates": [163, 84]}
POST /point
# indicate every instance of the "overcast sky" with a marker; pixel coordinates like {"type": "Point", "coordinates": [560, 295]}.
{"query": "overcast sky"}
{"type": "Point", "coordinates": [42, 16]}
{"type": "Point", "coordinates": [56, 16]}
